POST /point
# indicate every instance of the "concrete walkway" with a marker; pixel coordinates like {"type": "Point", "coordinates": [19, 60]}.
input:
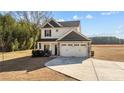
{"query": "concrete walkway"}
{"type": "Point", "coordinates": [89, 69]}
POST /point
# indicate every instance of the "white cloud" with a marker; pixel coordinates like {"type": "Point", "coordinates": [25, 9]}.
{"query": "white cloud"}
{"type": "Point", "coordinates": [75, 17]}
{"type": "Point", "coordinates": [89, 17]}
{"type": "Point", "coordinates": [109, 13]}
{"type": "Point", "coordinates": [118, 32]}
{"type": "Point", "coordinates": [60, 20]}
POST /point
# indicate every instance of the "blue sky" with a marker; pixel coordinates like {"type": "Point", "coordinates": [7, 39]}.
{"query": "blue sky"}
{"type": "Point", "coordinates": [104, 23]}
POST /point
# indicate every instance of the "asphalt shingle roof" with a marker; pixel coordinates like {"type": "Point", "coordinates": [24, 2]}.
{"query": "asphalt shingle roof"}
{"type": "Point", "coordinates": [70, 23]}
{"type": "Point", "coordinates": [73, 36]}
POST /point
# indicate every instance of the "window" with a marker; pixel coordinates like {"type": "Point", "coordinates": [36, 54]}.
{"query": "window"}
{"type": "Point", "coordinates": [82, 45]}
{"type": "Point", "coordinates": [76, 44]}
{"type": "Point", "coordinates": [39, 45]}
{"type": "Point", "coordinates": [63, 44]}
{"type": "Point", "coordinates": [69, 44]}
{"type": "Point", "coordinates": [47, 33]}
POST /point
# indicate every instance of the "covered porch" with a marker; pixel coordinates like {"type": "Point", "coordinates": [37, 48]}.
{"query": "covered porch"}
{"type": "Point", "coordinates": [51, 46]}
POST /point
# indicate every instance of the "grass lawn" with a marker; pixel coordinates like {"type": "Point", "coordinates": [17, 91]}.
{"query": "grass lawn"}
{"type": "Point", "coordinates": [21, 66]}
{"type": "Point", "coordinates": [109, 52]}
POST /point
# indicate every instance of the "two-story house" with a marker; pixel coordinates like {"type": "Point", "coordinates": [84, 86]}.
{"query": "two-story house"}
{"type": "Point", "coordinates": [64, 39]}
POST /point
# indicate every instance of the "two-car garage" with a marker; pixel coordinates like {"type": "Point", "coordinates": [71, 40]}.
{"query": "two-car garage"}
{"type": "Point", "coordinates": [74, 49]}
{"type": "Point", "coordinates": [74, 44]}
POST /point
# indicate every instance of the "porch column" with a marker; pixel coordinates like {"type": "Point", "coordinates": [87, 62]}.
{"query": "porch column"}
{"type": "Point", "coordinates": [58, 49]}
{"type": "Point", "coordinates": [42, 46]}
{"type": "Point", "coordinates": [50, 46]}
{"type": "Point", "coordinates": [89, 49]}
{"type": "Point", "coordinates": [38, 45]}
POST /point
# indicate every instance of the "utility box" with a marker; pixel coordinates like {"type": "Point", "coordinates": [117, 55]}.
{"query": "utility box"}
{"type": "Point", "coordinates": [92, 53]}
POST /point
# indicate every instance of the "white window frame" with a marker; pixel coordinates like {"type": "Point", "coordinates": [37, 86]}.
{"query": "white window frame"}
{"type": "Point", "coordinates": [47, 32]}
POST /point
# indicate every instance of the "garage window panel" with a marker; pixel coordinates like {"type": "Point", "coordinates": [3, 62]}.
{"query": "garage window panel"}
{"type": "Point", "coordinates": [63, 44]}
{"type": "Point", "coordinates": [82, 44]}
{"type": "Point", "coordinates": [76, 44]}
{"type": "Point", "coordinates": [70, 44]}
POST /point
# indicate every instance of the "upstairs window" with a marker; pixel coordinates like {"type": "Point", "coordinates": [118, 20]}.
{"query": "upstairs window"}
{"type": "Point", "coordinates": [47, 33]}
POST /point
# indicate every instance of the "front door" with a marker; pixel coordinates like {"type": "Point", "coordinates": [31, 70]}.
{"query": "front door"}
{"type": "Point", "coordinates": [55, 49]}
{"type": "Point", "coordinates": [46, 47]}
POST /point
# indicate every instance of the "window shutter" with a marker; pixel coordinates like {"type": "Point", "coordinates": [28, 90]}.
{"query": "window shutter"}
{"type": "Point", "coordinates": [45, 33]}
{"type": "Point", "coordinates": [50, 32]}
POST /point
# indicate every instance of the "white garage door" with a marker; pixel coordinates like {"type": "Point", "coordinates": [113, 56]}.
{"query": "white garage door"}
{"type": "Point", "coordinates": [77, 50]}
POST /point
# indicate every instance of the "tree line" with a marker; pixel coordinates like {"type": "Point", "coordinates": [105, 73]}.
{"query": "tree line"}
{"type": "Point", "coordinates": [19, 30]}
{"type": "Point", "coordinates": [106, 40]}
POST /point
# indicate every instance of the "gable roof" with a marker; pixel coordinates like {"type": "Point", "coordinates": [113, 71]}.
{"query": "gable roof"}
{"type": "Point", "coordinates": [55, 23]}
{"type": "Point", "coordinates": [70, 23]}
{"type": "Point", "coordinates": [51, 22]}
{"type": "Point", "coordinates": [48, 25]}
{"type": "Point", "coordinates": [74, 36]}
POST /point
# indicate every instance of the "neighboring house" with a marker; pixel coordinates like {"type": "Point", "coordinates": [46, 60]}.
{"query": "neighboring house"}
{"type": "Point", "coordinates": [64, 39]}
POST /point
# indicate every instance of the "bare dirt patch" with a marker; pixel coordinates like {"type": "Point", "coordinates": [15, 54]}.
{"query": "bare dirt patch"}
{"type": "Point", "coordinates": [109, 52]}
{"type": "Point", "coordinates": [21, 66]}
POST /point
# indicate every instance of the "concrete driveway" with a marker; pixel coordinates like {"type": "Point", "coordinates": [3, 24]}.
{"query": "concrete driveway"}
{"type": "Point", "coordinates": [88, 69]}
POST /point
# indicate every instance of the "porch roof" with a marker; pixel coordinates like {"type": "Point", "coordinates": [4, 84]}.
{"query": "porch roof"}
{"type": "Point", "coordinates": [47, 40]}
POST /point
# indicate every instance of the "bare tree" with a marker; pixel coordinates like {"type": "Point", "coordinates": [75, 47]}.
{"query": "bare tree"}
{"type": "Point", "coordinates": [36, 18]}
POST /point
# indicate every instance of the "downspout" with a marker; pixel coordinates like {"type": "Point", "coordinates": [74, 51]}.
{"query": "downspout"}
{"type": "Point", "coordinates": [89, 48]}
{"type": "Point", "coordinates": [58, 49]}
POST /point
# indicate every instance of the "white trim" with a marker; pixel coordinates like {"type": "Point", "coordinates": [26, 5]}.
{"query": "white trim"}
{"type": "Point", "coordinates": [47, 42]}
{"type": "Point", "coordinates": [51, 24]}
{"type": "Point", "coordinates": [73, 41]}
{"type": "Point", "coordinates": [38, 45]}
{"type": "Point", "coordinates": [45, 23]}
